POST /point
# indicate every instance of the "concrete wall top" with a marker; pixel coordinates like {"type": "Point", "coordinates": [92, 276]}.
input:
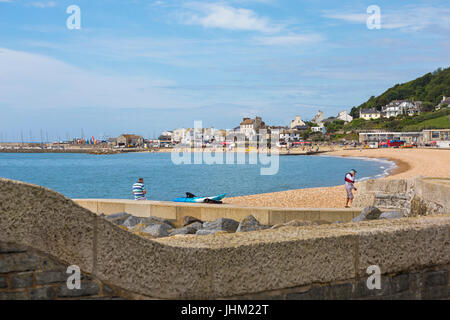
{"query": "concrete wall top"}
{"type": "Point", "coordinates": [215, 265]}
{"type": "Point", "coordinates": [207, 212]}
{"type": "Point", "coordinates": [436, 190]}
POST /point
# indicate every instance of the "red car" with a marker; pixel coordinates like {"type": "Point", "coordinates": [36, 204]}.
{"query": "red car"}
{"type": "Point", "coordinates": [395, 143]}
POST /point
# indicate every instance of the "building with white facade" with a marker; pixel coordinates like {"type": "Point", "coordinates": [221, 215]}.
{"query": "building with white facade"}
{"type": "Point", "coordinates": [444, 103]}
{"type": "Point", "coordinates": [320, 128]}
{"type": "Point", "coordinates": [250, 127]}
{"type": "Point", "coordinates": [318, 118]}
{"type": "Point", "coordinates": [384, 136]}
{"type": "Point", "coordinates": [400, 107]}
{"type": "Point", "coordinates": [370, 113]}
{"type": "Point", "coordinates": [343, 115]}
{"type": "Point", "coordinates": [178, 135]}
{"type": "Point", "coordinates": [297, 122]}
{"type": "Point", "coordinates": [438, 137]}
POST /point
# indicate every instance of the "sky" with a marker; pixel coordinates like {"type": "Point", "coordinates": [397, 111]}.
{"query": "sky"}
{"type": "Point", "coordinates": [143, 67]}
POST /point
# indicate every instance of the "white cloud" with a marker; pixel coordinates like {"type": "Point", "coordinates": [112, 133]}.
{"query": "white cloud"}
{"type": "Point", "coordinates": [222, 16]}
{"type": "Point", "coordinates": [34, 81]}
{"type": "Point", "coordinates": [43, 4]}
{"type": "Point", "coordinates": [290, 40]}
{"type": "Point", "coordinates": [349, 17]}
{"type": "Point", "coordinates": [410, 18]}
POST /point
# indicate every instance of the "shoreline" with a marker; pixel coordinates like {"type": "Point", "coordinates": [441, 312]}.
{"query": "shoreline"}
{"type": "Point", "coordinates": [400, 166]}
{"type": "Point", "coordinates": [409, 163]}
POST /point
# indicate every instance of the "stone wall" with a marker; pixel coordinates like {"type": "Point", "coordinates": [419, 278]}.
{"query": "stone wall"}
{"type": "Point", "coordinates": [426, 284]}
{"type": "Point", "coordinates": [414, 197]}
{"type": "Point", "coordinates": [204, 267]}
{"type": "Point", "coordinates": [209, 212]}
{"type": "Point", "coordinates": [26, 274]}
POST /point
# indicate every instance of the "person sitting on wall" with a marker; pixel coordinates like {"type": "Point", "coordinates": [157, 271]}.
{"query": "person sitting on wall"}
{"type": "Point", "coordinates": [138, 190]}
{"type": "Point", "coordinates": [349, 186]}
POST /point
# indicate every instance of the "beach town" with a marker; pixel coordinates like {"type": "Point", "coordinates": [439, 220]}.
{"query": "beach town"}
{"type": "Point", "coordinates": [320, 138]}
{"type": "Point", "coordinates": [298, 135]}
{"type": "Point", "coordinates": [333, 136]}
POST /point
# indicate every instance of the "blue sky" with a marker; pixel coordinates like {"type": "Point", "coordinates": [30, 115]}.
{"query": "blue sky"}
{"type": "Point", "coordinates": [147, 66]}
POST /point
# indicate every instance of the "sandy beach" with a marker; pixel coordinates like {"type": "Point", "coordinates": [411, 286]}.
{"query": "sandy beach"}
{"type": "Point", "coordinates": [410, 163]}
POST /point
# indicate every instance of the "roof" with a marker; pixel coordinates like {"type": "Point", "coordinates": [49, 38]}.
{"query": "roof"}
{"type": "Point", "coordinates": [370, 110]}
{"type": "Point", "coordinates": [132, 136]}
{"type": "Point", "coordinates": [246, 121]}
{"type": "Point", "coordinates": [301, 128]}
{"type": "Point", "coordinates": [399, 101]}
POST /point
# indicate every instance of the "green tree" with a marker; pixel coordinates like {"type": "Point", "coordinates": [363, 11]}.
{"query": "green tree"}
{"type": "Point", "coordinates": [427, 106]}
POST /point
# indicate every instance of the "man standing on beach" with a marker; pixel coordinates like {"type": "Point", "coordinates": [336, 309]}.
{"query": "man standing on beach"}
{"type": "Point", "coordinates": [139, 191]}
{"type": "Point", "coordinates": [349, 186]}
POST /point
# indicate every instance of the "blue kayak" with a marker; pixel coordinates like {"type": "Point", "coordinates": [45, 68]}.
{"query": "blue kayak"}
{"type": "Point", "coordinates": [215, 199]}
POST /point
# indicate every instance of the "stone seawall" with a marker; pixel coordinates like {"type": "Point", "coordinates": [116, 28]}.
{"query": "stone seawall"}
{"type": "Point", "coordinates": [414, 197]}
{"type": "Point", "coordinates": [427, 284]}
{"type": "Point", "coordinates": [26, 274]}
{"type": "Point", "coordinates": [208, 212]}
{"type": "Point", "coordinates": [214, 266]}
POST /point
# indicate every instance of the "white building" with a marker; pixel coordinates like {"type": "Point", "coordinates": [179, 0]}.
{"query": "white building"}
{"type": "Point", "coordinates": [250, 127]}
{"type": "Point", "coordinates": [297, 122]}
{"type": "Point", "coordinates": [320, 128]}
{"type": "Point", "coordinates": [368, 114]}
{"type": "Point", "coordinates": [199, 136]}
{"type": "Point", "coordinates": [384, 136]}
{"type": "Point", "coordinates": [343, 115]}
{"type": "Point", "coordinates": [178, 135]}
{"type": "Point", "coordinates": [445, 102]}
{"type": "Point", "coordinates": [400, 107]}
{"type": "Point", "coordinates": [318, 118]}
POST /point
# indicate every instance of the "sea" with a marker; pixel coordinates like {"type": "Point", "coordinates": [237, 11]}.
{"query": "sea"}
{"type": "Point", "coordinates": [112, 176]}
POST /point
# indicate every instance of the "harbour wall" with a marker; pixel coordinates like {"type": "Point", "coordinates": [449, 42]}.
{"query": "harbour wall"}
{"type": "Point", "coordinates": [324, 261]}
{"type": "Point", "coordinates": [414, 197]}
{"type": "Point", "coordinates": [207, 212]}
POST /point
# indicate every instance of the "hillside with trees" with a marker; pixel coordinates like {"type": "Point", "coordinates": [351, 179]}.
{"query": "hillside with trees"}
{"type": "Point", "coordinates": [429, 89]}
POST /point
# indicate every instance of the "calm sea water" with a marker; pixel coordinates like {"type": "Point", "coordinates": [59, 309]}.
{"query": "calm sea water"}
{"type": "Point", "coordinates": [111, 176]}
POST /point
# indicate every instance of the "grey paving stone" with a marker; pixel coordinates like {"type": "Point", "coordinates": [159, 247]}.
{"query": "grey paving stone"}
{"type": "Point", "coordinates": [18, 262]}
{"type": "Point", "coordinates": [435, 278]}
{"type": "Point", "coordinates": [49, 277]}
{"type": "Point", "coordinates": [400, 283]}
{"type": "Point", "coordinates": [44, 293]}
{"type": "Point", "coordinates": [21, 280]}
{"type": "Point", "coordinates": [87, 289]}
{"type": "Point", "coordinates": [21, 295]}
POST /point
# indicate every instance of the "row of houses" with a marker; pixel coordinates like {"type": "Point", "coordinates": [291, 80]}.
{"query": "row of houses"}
{"type": "Point", "coordinates": [399, 107]}
{"type": "Point", "coordinates": [252, 129]}
{"type": "Point", "coordinates": [249, 129]}
{"type": "Point", "coordinates": [392, 110]}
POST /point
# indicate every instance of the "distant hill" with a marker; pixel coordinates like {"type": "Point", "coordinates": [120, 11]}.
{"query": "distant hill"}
{"type": "Point", "coordinates": [429, 89]}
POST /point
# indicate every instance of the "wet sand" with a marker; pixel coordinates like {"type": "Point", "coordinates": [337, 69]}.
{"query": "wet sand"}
{"type": "Point", "coordinates": [410, 163]}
